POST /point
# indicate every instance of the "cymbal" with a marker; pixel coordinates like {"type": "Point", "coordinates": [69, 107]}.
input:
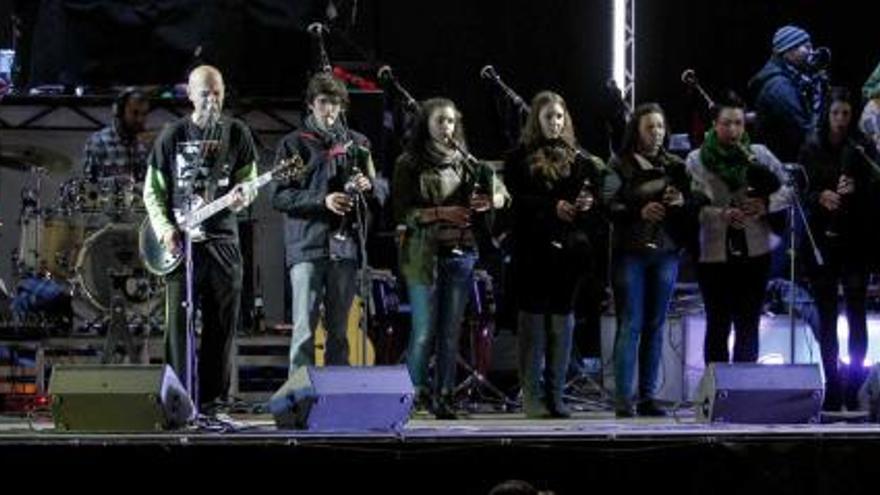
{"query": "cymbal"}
{"type": "Point", "coordinates": [26, 157]}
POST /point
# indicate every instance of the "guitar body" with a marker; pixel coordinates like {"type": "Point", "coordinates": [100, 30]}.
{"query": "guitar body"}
{"type": "Point", "coordinates": [361, 351]}
{"type": "Point", "coordinates": [157, 260]}
{"type": "Point", "coordinates": [160, 261]}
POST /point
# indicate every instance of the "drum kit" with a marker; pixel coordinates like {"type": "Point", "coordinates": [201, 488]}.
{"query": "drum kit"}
{"type": "Point", "coordinates": [77, 259]}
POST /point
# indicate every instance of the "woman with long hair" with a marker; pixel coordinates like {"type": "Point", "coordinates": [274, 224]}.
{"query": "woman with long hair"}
{"type": "Point", "coordinates": [652, 223]}
{"type": "Point", "coordinates": [838, 200]}
{"type": "Point", "coordinates": [554, 185]}
{"type": "Point", "coordinates": [440, 195]}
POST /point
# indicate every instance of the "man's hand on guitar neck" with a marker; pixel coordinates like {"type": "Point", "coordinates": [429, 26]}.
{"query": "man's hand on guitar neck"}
{"type": "Point", "coordinates": [242, 195]}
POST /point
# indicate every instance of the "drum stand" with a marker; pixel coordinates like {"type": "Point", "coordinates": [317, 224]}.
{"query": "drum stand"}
{"type": "Point", "coordinates": [117, 326]}
{"type": "Point", "coordinates": [476, 389]}
{"type": "Point", "coordinates": [363, 274]}
{"type": "Point", "coordinates": [584, 393]}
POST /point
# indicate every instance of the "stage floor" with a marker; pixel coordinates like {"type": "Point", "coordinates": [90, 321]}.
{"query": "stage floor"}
{"type": "Point", "coordinates": [582, 426]}
{"type": "Point", "coordinates": [590, 452]}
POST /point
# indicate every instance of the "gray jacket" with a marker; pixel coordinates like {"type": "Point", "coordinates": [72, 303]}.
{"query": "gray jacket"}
{"type": "Point", "coordinates": [713, 227]}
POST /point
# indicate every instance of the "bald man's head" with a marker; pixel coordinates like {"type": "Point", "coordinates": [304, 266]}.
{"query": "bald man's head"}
{"type": "Point", "coordinates": [206, 92]}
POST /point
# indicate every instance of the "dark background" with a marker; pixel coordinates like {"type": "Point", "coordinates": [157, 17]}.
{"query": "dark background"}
{"type": "Point", "coordinates": [435, 48]}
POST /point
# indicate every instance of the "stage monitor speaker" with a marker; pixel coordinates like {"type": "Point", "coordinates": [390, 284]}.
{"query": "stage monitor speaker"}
{"type": "Point", "coordinates": [118, 398]}
{"type": "Point", "coordinates": [343, 398]}
{"type": "Point", "coordinates": [762, 394]}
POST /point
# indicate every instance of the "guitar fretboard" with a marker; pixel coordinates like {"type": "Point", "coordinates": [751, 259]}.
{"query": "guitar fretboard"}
{"type": "Point", "coordinates": [195, 218]}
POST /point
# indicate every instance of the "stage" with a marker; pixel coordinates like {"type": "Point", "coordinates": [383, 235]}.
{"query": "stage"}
{"type": "Point", "coordinates": [591, 452]}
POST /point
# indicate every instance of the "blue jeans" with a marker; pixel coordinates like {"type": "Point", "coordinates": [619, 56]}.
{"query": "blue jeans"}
{"type": "Point", "coordinates": [643, 285]}
{"type": "Point", "coordinates": [437, 311]}
{"type": "Point", "coordinates": [332, 283]}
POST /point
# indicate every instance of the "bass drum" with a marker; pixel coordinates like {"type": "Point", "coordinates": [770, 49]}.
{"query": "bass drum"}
{"type": "Point", "coordinates": [108, 265]}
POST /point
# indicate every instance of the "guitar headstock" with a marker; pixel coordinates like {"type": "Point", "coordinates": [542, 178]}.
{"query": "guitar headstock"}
{"type": "Point", "coordinates": [289, 169]}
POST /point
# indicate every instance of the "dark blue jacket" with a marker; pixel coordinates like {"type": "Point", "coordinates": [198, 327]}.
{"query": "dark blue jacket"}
{"type": "Point", "coordinates": [785, 116]}
{"type": "Point", "coordinates": [308, 224]}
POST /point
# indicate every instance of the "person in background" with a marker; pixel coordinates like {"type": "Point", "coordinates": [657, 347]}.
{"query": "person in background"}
{"type": "Point", "coordinates": [838, 201]}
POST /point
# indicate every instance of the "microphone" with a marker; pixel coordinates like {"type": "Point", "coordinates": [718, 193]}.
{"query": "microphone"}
{"type": "Point", "coordinates": [689, 76]}
{"type": "Point", "coordinates": [317, 29]}
{"type": "Point", "coordinates": [384, 74]}
{"type": "Point", "coordinates": [488, 72]}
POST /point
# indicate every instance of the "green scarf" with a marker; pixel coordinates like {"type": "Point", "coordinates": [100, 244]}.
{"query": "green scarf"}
{"type": "Point", "coordinates": [727, 162]}
{"type": "Point", "coordinates": [871, 89]}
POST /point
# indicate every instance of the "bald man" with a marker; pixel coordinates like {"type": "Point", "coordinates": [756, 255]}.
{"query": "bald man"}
{"type": "Point", "coordinates": [201, 157]}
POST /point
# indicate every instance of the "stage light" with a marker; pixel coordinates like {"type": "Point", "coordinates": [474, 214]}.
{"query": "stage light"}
{"type": "Point", "coordinates": [873, 351]}
{"type": "Point", "coordinates": [618, 70]}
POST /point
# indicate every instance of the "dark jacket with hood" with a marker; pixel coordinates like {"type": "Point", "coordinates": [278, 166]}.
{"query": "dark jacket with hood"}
{"type": "Point", "coordinates": [783, 100]}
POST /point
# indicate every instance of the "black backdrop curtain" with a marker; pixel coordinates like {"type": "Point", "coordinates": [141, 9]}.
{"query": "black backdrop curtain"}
{"type": "Point", "coordinates": [258, 44]}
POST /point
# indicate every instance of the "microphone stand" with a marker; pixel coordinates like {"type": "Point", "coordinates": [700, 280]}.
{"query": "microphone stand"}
{"type": "Point", "coordinates": [360, 209]}
{"type": "Point", "coordinates": [191, 379]}
{"type": "Point", "coordinates": [488, 72]}
{"type": "Point", "coordinates": [360, 214]}
{"type": "Point", "coordinates": [795, 211]}
{"type": "Point", "coordinates": [317, 30]}
{"type": "Point", "coordinates": [409, 103]}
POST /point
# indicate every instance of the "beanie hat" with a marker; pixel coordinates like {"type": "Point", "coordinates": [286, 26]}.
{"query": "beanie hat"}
{"type": "Point", "coordinates": [788, 37]}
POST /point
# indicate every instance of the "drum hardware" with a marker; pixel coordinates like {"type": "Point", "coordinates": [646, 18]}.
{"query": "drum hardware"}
{"type": "Point", "coordinates": [25, 157]}
{"type": "Point", "coordinates": [479, 322]}
{"type": "Point", "coordinates": [385, 311]}
{"type": "Point", "coordinates": [118, 324]}
{"type": "Point", "coordinates": [106, 266]}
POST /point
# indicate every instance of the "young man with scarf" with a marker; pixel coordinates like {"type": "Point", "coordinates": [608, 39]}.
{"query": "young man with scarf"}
{"type": "Point", "coordinates": [736, 185]}
{"type": "Point", "coordinates": [320, 230]}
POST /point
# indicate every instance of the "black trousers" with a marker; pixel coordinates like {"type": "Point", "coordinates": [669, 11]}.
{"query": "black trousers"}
{"type": "Point", "coordinates": [733, 293]}
{"type": "Point", "coordinates": [851, 271]}
{"type": "Point", "coordinates": [217, 292]}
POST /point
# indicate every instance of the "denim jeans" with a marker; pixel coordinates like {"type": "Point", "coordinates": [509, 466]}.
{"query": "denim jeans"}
{"type": "Point", "coordinates": [437, 311]}
{"type": "Point", "coordinates": [643, 285]}
{"type": "Point", "coordinates": [332, 283]}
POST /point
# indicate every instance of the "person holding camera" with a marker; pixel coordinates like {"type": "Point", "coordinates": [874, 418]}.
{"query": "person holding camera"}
{"type": "Point", "coordinates": [790, 91]}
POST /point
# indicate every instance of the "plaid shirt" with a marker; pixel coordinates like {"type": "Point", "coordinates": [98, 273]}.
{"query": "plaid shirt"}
{"type": "Point", "coordinates": [107, 155]}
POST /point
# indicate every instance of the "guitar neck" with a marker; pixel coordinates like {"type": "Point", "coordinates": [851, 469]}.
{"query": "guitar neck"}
{"type": "Point", "coordinates": [209, 210]}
